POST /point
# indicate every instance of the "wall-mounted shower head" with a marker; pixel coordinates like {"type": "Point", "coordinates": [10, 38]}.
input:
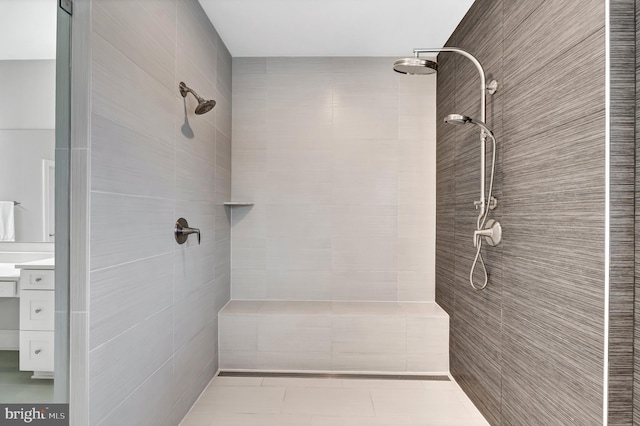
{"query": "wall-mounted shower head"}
{"type": "Point", "coordinates": [415, 66]}
{"type": "Point", "coordinates": [419, 66]}
{"type": "Point", "coordinates": [459, 119]}
{"type": "Point", "coordinates": [204, 106]}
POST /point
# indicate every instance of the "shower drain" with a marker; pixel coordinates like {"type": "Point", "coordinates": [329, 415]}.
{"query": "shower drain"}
{"type": "Point", "coordinates": [425, 377]}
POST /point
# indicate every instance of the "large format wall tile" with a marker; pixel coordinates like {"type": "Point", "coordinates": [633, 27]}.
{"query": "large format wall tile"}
{"type": "Point", "coordinates": [153, 305]}
{"type": "Point", "coordinates": [334, 336]}
{"type": "Point", "coordinates": [338, 155]}
{"type": "Point", "coordinates": [152, 393]}
{"type": "Point", "coordinates": [127, 228]}
{"type": "Point", "coordinates": [151, 47]}
{"type": "Point", "coordinates": [123, 92]}
{"type": "Point", "coordinates": [126, 162]}
{"type": "Point", "coordinates": [636, 235]}
{"type": "Point", "coordinates": [123, 296]}
{"type": "Point", "coordinates": [127, 361]}
{"type": "Point", "coordinates": [622, 194]}
{"type": "Point", "coordinates": [530, 346]}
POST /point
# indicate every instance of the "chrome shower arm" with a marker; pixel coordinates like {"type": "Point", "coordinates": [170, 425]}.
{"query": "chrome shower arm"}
{"type": "Point", "coordinates": [184, 89]}
{"type": "Point", "coordinates": [492, 87]}
{"type": "Point", "coordinates": [483, 79]}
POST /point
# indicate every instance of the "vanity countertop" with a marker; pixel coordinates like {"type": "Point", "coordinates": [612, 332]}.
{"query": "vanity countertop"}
{"type": "Point", "coordinates": [8, 272]}
{"type": "Point", "coordinates": [38, 264]}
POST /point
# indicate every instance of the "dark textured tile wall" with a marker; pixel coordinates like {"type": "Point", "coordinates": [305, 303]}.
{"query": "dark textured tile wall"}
{"type": "Point", "coordinates": [636, 352]}
{"type": "Point", "coordinates": [622, 171]}
{"type": "Point", "coordinates": [531, 345]}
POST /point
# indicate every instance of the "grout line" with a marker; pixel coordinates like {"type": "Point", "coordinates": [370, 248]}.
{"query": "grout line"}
{"type": "Point", "coordinates": [607, 214]}
{"type": "Point", "coordinates": [373, 406]}
{"type": "Point", "coordinates": [284, 396]}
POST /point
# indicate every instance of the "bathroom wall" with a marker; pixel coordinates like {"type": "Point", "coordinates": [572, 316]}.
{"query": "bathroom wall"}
{"type": "Point", "coordinates": [636, 352]}
{"type": "Point", "coordinates": [621, 273]}
{"type": "Point", "coordinates": [28, 94]}
{"type": "Point", "coordinates": [27, 112]}
{"type": "Point", "coordinates": [338, 155]}
{"type": "Point", "coordinates": [144, 309]}
{"type": "Point", "coordinates": [21, 177]}
{"type": "Point", "coordinates": [531, 346]}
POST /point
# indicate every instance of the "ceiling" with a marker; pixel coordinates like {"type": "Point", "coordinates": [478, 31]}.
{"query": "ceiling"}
{"type": "Point", "coordinates": [28, 29]}
{"type": "Point", "coordinates": [272, 27]}
{"type": "Point", "coordinates": [333, 27]}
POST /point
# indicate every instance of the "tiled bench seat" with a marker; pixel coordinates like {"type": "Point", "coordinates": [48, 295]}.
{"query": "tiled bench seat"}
{"type": "Point", "coordinates": [394, 337]}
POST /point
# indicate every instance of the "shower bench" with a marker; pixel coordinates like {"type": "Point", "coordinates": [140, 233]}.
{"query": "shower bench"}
{"type": "Point", "coordinates": [309, 336]}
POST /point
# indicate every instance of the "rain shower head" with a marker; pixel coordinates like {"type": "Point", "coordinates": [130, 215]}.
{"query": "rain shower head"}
{"type": "Point", "coordinates": [415, 66]}
{"type": "Point", "coordinates": [459, 119]}
{"type": "Point", "coordinates": [419, 66]}
{"type": "Point", "coordinates": [204, 106]}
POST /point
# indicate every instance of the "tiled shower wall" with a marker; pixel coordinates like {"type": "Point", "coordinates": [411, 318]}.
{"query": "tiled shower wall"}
{"type": "Point", "coordinates": [148, 307]}
{"type": "Point", "coordinates": [531, 346]}
{"type": "Point", "coordinates": [636, 353]}
{"type": "Point", "coordinates": [338, 155]}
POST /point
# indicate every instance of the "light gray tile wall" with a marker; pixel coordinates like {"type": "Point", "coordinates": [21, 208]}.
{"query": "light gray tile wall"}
{"type": "Point", "coordinates": [334, 336]}
{"type": "Point", "coordinates": [145, 309]}
{"type": "Point", "coordinates": [338, 155]}
{"type": "Point", "coordinates": [542, 317]}
{"type": "Point", "coordinates": [79, 214]}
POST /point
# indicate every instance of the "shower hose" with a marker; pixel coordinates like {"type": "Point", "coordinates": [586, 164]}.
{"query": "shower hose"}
{"type": "Point", "coordinates": [482, 220]}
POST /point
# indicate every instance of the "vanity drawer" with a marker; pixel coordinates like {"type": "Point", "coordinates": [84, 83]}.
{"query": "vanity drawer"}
{"type": "Point", "coordinates": [8, 289]}
{"type": "Point", "coordinates": [36, 350]}
{"type": "Point", "coordinates": [37, 309]}
{"type": "Point", "coordinates": [36, 279]}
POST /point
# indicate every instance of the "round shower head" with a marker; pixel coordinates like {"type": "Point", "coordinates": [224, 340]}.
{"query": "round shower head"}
{"type": "Point", "coordinates": [415, 66]}
{"type": "Point", "coordinates": [457, 119]}
{"type": "Point", "coordinates": [205, 106]}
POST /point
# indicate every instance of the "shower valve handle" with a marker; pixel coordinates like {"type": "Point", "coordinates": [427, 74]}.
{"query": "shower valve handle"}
{"type": "Point", "coordinates": [182, 231]}
{"type": "Point", "coordinates": [492, 234]}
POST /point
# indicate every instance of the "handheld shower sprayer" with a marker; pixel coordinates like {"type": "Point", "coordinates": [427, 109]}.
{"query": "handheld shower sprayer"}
{"type": "Point", "coordinates": [204, 106]}
{"type": "Point", "coordinates": [490, 230]}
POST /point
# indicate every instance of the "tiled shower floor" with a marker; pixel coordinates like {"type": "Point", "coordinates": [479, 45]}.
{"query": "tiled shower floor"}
{"type": "Point", "coordinates": [276, 401]}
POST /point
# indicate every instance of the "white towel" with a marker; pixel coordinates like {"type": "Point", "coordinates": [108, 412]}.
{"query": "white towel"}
{"type": "Point", "coordinates": [7, 222]}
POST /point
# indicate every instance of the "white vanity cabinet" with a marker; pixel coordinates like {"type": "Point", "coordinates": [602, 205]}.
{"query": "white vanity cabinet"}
{"type": "Point", "coordinates": [8, 289]}
{"type": "Point", "coordinates": [9, 307]}
{"type": "Point", "coordinates": [37, 313]}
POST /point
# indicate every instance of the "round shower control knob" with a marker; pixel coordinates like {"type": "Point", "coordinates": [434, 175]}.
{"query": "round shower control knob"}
{"type": "Point", "coordinates": [492, 233]}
